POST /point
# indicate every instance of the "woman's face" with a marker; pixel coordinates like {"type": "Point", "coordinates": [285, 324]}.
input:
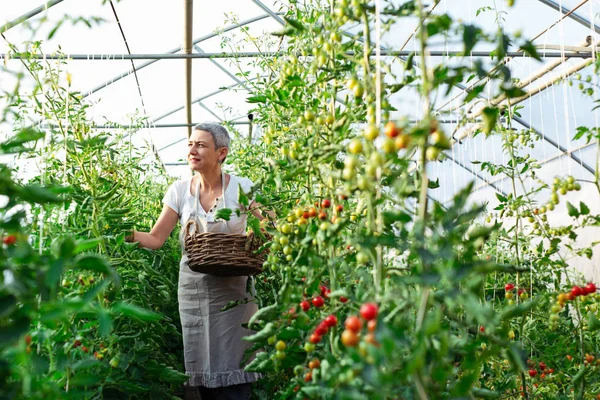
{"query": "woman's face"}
{"type": "Point", "coordinates": [202, 155]}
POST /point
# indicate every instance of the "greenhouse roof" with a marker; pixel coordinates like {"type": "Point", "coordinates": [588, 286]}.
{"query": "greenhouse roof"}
{"type": "Point", "coordinates": [132, 64]}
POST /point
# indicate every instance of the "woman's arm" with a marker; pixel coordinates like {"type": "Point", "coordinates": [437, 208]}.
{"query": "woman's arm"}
{"type": "Point", "coordinates": [255, 208]}
{"type": "Point", "coordinates": [159, 233]}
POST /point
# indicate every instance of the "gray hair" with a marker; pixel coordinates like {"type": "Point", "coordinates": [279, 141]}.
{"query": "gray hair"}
{"type": "Point", "coordinates": [218, 132]}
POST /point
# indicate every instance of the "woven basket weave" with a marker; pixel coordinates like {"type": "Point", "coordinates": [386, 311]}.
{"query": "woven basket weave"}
{"type": "Point", "coordinates": [223, 254]}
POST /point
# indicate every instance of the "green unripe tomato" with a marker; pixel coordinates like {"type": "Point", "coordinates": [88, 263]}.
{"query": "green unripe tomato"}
{"type": "Point", "coordinates": [287, 250]}
{"type": "Point", "coordinates": [355, 146]}
{"type": "Point", "coordinates": [271, 340]}
{"type": "Point", "coordinates": [280, 355]}
{"type": "Point", "coordinates": [309, 347]}
{"type": "Point", "coordinates": [362, 258]}
{"type": "Point", "coordinates": [280, 346]}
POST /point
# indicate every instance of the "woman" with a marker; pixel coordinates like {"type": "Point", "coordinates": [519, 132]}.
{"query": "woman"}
{"type": "Point", "coordinates": [212, 340]}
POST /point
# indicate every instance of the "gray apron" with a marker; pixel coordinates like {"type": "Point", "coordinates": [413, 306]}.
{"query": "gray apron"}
{"type": "Point", "coordinates": [212, 339]}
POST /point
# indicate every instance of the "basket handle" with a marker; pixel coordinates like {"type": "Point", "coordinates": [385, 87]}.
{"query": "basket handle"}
{"type": "Point", "coordinates": [188, 225]}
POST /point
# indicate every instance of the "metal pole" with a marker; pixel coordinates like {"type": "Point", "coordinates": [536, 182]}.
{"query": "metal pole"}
{"type": "Point", "coordinates": [576, 17]}
{"type": "Point", "coordinates": [187, 50]}
{"type": "Point", "coordinates": [250, 54]}
{"type": "Point", "coordinates": [28, 15]}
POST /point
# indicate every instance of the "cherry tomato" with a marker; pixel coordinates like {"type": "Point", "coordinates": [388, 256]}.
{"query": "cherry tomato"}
{"type": "Point", "coordinates": [322, 215]}
{"type": "Point", "coordinates": [532, 373]}
{"type": "Point", "coordinates": [402, 141]}
{"type": "Point", "coordinates": [318, 301]}
{"type": "Point", "coordinates": [353, 323]}
{"type": "Point", "coordinates": [304, 305]}
{"type": "Point", "coordinates": [314, 363]}
{"type": "Point", "coordinates": [10, 240]}
{"type": "Point", "coordinates": [590, 288]}
{"type": "Point", "coordinates": [321, 329]}
{"type": "Point", "coordinates": [331, 321]}
{"type": "Point", "coordinates": [542, 365]}
{"type": "Point", "coordinates": [349, 338]}
{"type": "Point", "coordinates": [326, 203]}
{"type": "Point", "coordinates": [391, 130]}
{"type": "Point", "coordinates": [369, 311]}
{"type": "Point", "coordinates": [280, 346]}
{"type": "Point", "coordinates": [577, 291]}
{"type": "Point", "coordinates": [372, 325]}
{"type": "Point", "coordinates": [343, 299]}
{"type": "Point", "coordinates": [312, 212]}
{"type": "Point", "coordinates": [509, 286]}
{"type": "Point", "coordinates": [314, 339]}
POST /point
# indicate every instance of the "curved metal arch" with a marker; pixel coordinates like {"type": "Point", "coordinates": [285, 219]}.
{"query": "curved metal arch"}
{"type": "Point", "coordinates": [575, 16]}
{"type": "Point", "coordinates": [29, 14]}
{"type": "Point", "coordinates": [175, 50]}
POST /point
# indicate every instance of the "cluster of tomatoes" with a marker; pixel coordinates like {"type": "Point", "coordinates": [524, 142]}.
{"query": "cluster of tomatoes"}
{"type": "Point", "coordinates": [562, 298]}
{"type": "Point", "coordinates": [543, 369]}
{"type": "Point", "coordinates": [509, 294]}
{"type": "Point", "coordinates": [354, 324]}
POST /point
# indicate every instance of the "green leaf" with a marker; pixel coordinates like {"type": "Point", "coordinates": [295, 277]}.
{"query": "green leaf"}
{"type": "Point", "coordinates": [96, 263]}
{"type": "Point", "coordinates": [257, 99]}
{"type": "Point", "coordinates": [133, 311]}
{"type": "Point", "coordinates": [593, 322]}
{"type": "Point", "coordinates": [85, 364]}
{"type": "Point", "coordinates": [85, 245]}
{"type": "Point", "coordinates": [242, 197]}
{"type": "Point", "coordinates": [35, 193]}
{"type": "Point", "coordinates": [295, 23]}
{"type": "Point", "coordinates": [573, 212]}
{"type": "Point", "coordinates": [471, 35]}
{"type": "Point", "coordinates": [501, 198]}
{"type": "Point", "coordinates": [490, 116]}
{"type": "Point", "coordinates": [15, 144]}
{"type": "Point", "coordinates": [223, 213]}
{"type": "Point", "coordinates": [474, 92]}
{"type": "Point", "coordinates": [104, 322]}
{"type": "Point", "coordinates": [584, 208]}
{"type": "Point", "coordinates": [287, 31]}
{"type": "Point", "coordinates": [85, 379]}
{"type": "Point", "coordinates": [529, 49]}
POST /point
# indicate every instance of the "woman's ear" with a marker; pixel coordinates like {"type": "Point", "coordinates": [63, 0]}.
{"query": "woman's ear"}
{"type": "Point", "coordinates": [223, 154]}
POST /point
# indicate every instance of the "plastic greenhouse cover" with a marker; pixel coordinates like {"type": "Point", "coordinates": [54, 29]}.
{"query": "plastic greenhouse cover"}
{"type": "Point", "coordinates": [556, 111]}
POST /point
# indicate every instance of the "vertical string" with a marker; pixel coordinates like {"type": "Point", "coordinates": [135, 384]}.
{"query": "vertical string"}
{"type": "Point", "coordinates": [378, 62]}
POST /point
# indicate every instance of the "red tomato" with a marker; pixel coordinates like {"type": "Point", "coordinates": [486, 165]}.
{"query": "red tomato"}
{"type": "Point", "coordinates": [322, 215]}
{"type": "Point", "coordinates": [532, 373]}
{"type": "Point", "coordinates": [306, 214]}
{"type": "Point", "coordinates": [308, 377]}
{"type": "Point", "coordinates": [331, 321]}
{"type": "Point", "coordinates": [10, 240]}
{"type": "Point", "coordinates": [509, 286]}
{"type": "Point", "coordinates": [590, 288]}
{"type": "Point", "coordinates": [577, 291]}
{"type": "Point", "coordinates": [542, 365]}
{"type": "Point", "coordinates": [314, 338]}
{"type": "Point", "coordinates": [343, 299]}
{"type": "Point", "coordinates": [339, 208]}
{"type": "Point", "coordinates": [318, 301]}
{"type": "Point", "coordinates": [326, 203]}
{"type": "Point", "coordinates": [321, 329]}
{"type": "Point", "coordinates": [305, 305]}
{"type": "Point", "coordinates": [482, 329]}
{"type": "Point", "coordinates": [312, 212]}
{"type": "Point", "coordinates": [353, 323]}
{"type": "Point", "coordinates": [323, 289]}
{"type": "Point", "coordinates": [314, 363]}
{"type": "Point", "coordinates": [369, 311]}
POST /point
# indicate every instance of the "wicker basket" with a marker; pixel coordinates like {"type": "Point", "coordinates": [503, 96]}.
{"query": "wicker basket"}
{"type": "Point", "coordinates": [223, 254]}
